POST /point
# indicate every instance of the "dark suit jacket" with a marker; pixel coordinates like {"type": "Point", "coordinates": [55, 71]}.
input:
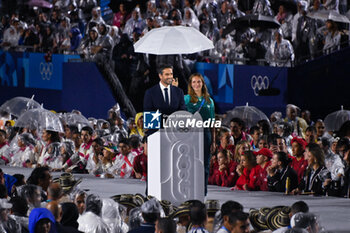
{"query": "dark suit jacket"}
{"type": "Point", "coordinates": [154, 100]}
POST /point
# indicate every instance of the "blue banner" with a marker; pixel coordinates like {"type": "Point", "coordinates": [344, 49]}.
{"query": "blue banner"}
{"type": "Point", "coordinates": [236, 85]}
{"type": "Point", "coordinates": [32, 70]}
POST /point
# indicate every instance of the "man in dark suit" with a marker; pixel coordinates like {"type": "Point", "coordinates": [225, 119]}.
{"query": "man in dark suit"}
{"type": "Point", "coordinates": [164, 97]}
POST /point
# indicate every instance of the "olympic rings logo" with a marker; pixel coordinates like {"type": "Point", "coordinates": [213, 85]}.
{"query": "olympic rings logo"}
{"type": "Point", "coordinates": [258, 83]}
{"type": "Point", "coordinates": [46, 70]}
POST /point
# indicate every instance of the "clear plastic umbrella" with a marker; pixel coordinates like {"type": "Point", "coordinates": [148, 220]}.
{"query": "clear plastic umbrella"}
{"type": "Point", "coordinates": [335, 120]}
{"type": "Point", "coordinates": [40, 119]}
{"type": "Point", "coordinates": [18, 105]}
{"type": "Point", "coordinates": [76, 119]}
{"type": "Point", "coordinates": [249, 114]}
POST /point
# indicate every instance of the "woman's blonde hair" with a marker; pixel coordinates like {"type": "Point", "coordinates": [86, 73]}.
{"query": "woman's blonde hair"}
{"type": "Point", "coordinates": [191, 92]}
{"type": "Point", "coordinates": [237, 157]}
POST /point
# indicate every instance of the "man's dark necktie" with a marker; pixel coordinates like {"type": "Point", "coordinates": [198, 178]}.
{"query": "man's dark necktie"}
{"type": "Point", "coordinates": [166, 96]}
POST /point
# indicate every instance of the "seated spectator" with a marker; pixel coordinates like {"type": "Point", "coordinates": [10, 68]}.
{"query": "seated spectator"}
{"type": "Point", "coordinates": [255, 134]}
{"type": "Point", "coordinates": [123, 163]}
{"type": "Point", "coordinates": [25, 152]}
{"type": "Point", "coordinates": [135, 21]}
{"type": "Point", "coordinates": [281, 51]}
{"type": "Point", "coordinates": [7, 223]}
{"type": "Point", "coordinates": [237, 127]}
{"type": "Point", "coordinates": [299, 164]}
{"type": "Point", "coordinates": [140, 162]}
{"type": "Point", "coordinates": [263, 157]}
{"type": "Point", "coordinates": [225, 174]}
{"type": "Point", "coordinates": [79, 199]}
{"type": "Point", "coordinates": [279, 172]}
{"type": "Point", "coordinates": [120, 18]}
{"type": "Point", "coordinates": [139, 125]}
{"type": "Point", "coordinates": [41, 220]}
{"type": "Point", "coordinates": [263, 142]}
{"type": "Point", "coordinates": [104, 165]}
{"type": "Point", "coordinates": [241, 147]}
{"type": "Point", "coordinates": [4, 148]}
{"type": "Point", "coordinates": [247, 171]}
{"type": "Point", "coordinates": [19, 212]}
{"type": "Point", "coordinates": [317, 178]}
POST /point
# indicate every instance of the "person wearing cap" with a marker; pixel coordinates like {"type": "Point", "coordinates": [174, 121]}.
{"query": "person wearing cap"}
{"type": "Point", "coordinates": [104, 166]}
{"type": "Point", "coordinates": [279, 172]}
{"type": "Point", "coordinates": [299, 164]}
{"type": "Point", "coordinates": [4, 148]}
{"type": "Point", "coordinates": [263, 157]}
{"type": "Point", "coordinates": [150, 213]}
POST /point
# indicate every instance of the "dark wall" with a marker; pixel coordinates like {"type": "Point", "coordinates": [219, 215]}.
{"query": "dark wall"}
{"type": "Point", "coordinates": [322, 85]}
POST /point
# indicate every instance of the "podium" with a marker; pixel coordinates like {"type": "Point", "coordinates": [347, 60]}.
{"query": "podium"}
{"type": "Point", "coordinates": [175, 169]}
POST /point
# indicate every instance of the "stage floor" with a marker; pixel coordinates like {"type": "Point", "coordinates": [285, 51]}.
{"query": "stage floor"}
{"type": "Point", "coordinates": [334, 212]}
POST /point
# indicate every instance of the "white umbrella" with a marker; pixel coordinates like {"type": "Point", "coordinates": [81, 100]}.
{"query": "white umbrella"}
{"type": "Point", "coordinates": [332, 15]}
{"type": "Point", "coordinates": [173, 40]}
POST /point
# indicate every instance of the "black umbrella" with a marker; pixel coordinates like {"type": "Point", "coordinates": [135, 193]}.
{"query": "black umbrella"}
{"type": "Point", "coordinates": [252, 21]}
{"type": "Point", "coordinates": [290, 5]}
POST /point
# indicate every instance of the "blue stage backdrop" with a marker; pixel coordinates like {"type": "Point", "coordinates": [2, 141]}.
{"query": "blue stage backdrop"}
{"type": "Point", "coordinates": [56, 84]}
{"type": "Point", "coordinates": [236, 85]}
{"type": "Point", "coordinates": [85, 89]}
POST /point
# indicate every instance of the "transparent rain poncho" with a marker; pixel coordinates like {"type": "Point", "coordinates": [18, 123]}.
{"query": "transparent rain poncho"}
{"type": "Point", "coordinates": [111, 216]}
{"type": "Point", "coordinates": [90, 221]}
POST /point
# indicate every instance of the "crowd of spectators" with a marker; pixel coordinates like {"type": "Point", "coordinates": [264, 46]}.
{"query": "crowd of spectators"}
{"type": "Point", "coordinates": [73, 26]}
{"type": "Point", "coordinates": [292, 154]}
{"type": "Point", "coordinates": [42, 204]}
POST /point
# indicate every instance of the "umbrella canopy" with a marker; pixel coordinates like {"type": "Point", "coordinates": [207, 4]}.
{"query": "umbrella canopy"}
{"type": "Point", "coordinates": [40, 3]}
{"type": "Point", "coordinates": [40, 119]}
{"type": "Point", "coordinates": [249, 114]}
{"type": "Point", "coordinates": [173, 40]}
{"type": "Point", "coordinates": [335, 120]}
{"type": "Point", "coordinates": [18, 105]}
{"type": "Point", "coordinates": [329, 15]}
{"type": "Point", "coordinates": [76, 119]}
{"type": "Point", "coordinates": [252, 21]}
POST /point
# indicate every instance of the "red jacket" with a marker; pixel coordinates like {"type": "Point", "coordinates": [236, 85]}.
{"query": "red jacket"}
{"type": "Point", "coordinates": [299, 166]}
{"type": "Point", "coordinates": [140, 166]}
{"type": "Point", "coordinates": [226, 178]}
{"type": "Point", "coordinates": [249, 177]}
{"type": "Point", "coordinates": [262, 179]}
